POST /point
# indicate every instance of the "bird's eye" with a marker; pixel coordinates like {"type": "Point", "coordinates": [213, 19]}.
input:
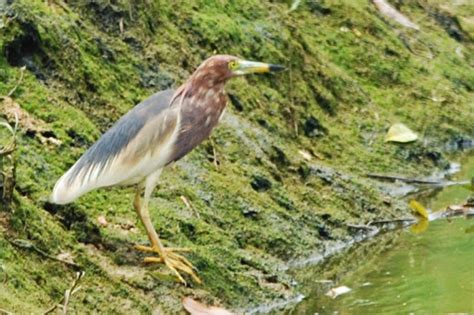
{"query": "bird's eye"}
{"type": "Point", "coordinates": [233, 65]}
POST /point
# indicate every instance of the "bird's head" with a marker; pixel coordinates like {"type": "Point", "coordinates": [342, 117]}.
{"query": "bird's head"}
{"type": "Point", "coordinates": [220, 68]}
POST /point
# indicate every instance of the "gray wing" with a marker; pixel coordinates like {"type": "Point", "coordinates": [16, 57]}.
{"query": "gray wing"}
{"type": "Point", "coordinates": [127, 140]}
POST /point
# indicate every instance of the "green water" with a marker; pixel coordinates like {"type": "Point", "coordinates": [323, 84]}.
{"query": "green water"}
{"type": "Point", "coordinates": [422, 271]}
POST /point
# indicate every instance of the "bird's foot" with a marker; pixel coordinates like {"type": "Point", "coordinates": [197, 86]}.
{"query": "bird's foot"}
{"type": "Point", "coordinates": [172, 260]}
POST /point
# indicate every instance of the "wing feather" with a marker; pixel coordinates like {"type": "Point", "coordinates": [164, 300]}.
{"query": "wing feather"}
{"type": "Point", "coordinates": [126, 152]}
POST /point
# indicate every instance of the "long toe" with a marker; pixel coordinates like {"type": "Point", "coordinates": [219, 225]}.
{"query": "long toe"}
{"type": "Point", "coordinates": [177, 263]}
{"type": "Point", "coordinates": [147, 249]}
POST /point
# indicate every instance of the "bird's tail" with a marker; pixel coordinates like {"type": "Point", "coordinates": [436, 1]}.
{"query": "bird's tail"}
{"type": "Point", "coordinates": [65, 190]}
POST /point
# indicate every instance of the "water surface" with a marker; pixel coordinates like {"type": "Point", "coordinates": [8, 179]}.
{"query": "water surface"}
{"type": "Point", "coordinates": [424, 270]}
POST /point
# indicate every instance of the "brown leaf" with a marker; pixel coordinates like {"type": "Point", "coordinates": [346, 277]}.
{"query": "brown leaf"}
{"type": "Point", "coordinates": [197, 308]}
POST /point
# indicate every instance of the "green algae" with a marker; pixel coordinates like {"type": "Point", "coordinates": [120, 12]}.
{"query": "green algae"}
{"type": "Point", "coordinates": [347, 68]}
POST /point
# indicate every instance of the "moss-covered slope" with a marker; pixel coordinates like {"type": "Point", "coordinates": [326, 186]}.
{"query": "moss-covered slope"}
{"type": "Point", "coordinates": [281, 176]}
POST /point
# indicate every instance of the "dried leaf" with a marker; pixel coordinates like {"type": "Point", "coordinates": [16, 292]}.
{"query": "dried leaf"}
{"type": "Point", "coordinates": [419, 209]}
{"type": "Point", "coordinates": [197, 308]}
{"type": "Point", "coordinates": [392, 13]}
{"type": "Point", "coordinates": [400, 133]}
{"type": "Point", "coordinates": [335, 292]}
{"type": "Point", "coordinates": [305, 154]}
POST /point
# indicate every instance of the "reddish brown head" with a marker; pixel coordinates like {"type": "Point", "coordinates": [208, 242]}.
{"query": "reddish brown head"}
{"type": "Point", "coordinates": [215, 71]}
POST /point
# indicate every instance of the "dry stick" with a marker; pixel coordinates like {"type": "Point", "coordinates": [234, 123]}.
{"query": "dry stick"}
{"type": "Point", "coordinates": [9, 148]}
{"type": "Point", "coordinates": [71, 291]}
{"type": "Point", "coordinates": [404, 179]}
{"type": "Point", "coordinates": [361, 226]}
{"type": "Point", "coordinates": [189, 205]}
{"type": "Point", "coordinates": [67, 295]}
{"type": "Point", "coordinates": [28, 245]}
{"type": "Point", "coordinates": [391, 221]}
{"type": "Point", "coordinates": [416, 180]}
{"type": "Point", "coordinates": [214, 153]}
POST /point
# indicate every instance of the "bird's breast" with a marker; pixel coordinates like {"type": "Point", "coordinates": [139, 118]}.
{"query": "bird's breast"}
{"type": "Point", "coordinates": [199, 114]}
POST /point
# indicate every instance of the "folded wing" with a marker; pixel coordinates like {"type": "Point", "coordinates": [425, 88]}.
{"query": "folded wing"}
{"type": "Point", "coordinates": [139, 143]}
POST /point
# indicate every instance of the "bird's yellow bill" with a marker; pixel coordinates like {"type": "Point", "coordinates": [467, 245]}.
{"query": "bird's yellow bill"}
{"type": "Point", "coordinates": [247, 67]}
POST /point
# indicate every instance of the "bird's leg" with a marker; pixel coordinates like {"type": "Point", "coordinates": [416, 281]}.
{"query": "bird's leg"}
{"type": "Point", "coordinates": [168, 256]}
{"type": "Point", "coordinates": [156, 244]}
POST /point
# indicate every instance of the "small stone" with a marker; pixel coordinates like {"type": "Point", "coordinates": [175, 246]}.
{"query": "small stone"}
{"type": "Point", "coordinates": [260, 183]}
{"type": "Point", "coordinates": [102, 221]}
{"type": "Point", "coordinates": [313, 128]}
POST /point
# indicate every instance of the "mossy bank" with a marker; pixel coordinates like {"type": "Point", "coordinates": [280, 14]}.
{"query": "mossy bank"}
{"type": "Point", "coordinates": [282, 175]}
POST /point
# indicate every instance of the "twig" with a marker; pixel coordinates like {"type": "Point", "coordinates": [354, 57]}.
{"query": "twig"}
{"type": "Point", "coordinates": [72, 290]}
{"type": "Point", "coordinates": [361, 226]}
{"type": "Point", "coordinates": [189, 205]}
{"type": "Point", "coordinates": [10, 147]}
{"type": "Point", "coordinates": [391, 221]}
{"type": "Point", "coordinates": [67, 295]}
{"type": "Point", "coordinates": [22, 73]}
{"type": "Point", "coordinates": [416, 180]}
{"type": "Point", "coordinates": [28, 245]}
{"type": "Point", "coordinates": [214, 154]}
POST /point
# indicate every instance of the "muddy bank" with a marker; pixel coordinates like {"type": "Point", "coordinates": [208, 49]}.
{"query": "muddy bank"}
{"type": "Point", "coordinates": [282, 177]}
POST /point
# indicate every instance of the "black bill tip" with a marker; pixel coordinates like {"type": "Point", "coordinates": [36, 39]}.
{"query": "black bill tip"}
{"type": "Point", "coordinates": [276, 68]}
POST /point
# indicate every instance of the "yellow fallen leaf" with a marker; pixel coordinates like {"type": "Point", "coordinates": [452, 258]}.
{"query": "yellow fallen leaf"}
{"type": "Point", "coordinates": [400, 133]}
{"type": "Point", "coordinates": [419, 209]}
{"type": "Point", "coordinates": [420, 226]}
{"type": "Point", "coordinates": [197, 308]}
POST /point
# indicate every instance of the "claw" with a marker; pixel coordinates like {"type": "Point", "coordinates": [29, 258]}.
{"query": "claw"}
{"type": "Point", "coordinates": [175, 262]}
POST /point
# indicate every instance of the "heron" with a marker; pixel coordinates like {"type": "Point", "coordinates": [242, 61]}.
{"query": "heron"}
{"type": "Point", "coordinates": [154, 134]}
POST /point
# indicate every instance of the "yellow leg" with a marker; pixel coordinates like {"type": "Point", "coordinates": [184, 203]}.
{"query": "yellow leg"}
{"type": "Point", "coordinates": [168, 256]}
